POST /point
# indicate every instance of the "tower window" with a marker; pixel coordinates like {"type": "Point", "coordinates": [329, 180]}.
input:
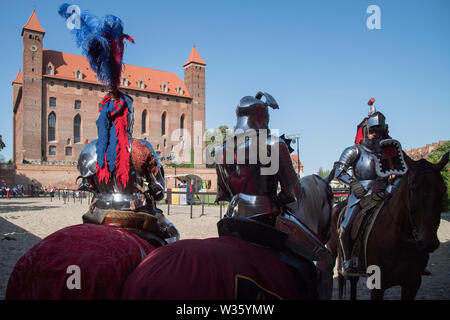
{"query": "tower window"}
{"type": "Point", "coordinates": [181, 125]}
{"type": "Point", "coordinates": [77, 104]}
{"type": "Point", "coordinates": [51, 127]}
{"type": "Point", "coordinates": [163, 124]}
{"type": "Point", "coordinates": [76, 128]}
{"type": "Point", "coordinates": [144, 122]}
{"type": "Point", "coordinates": [52, 102]}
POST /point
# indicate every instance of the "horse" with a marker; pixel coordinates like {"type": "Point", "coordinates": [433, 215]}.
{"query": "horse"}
{"type": "Point", "coordinates": [404, 232]}
{"type": "Point", "coordinates": [114, 263]}
{"type": "Point", "coordinates": [226, 267]}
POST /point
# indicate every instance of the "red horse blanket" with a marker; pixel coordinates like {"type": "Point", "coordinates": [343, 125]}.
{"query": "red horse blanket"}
{"type": "Point", "coordinates": [215, 268]}
{"type": "Point", "coordinates": [84, 261]}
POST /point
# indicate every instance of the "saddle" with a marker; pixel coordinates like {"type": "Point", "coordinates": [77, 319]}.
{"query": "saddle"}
{"type": "Point", "coordinates": [145, 225]}
{"type": "Point", "coordinates": [256, 230]}
{"type": "Point", "coordinates": [360, 231]}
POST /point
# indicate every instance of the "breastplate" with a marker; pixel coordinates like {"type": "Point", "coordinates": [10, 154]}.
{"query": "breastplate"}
{"type": "Point", "coordinates": [244, 174]}
{"type": "Point", "coordinates": [365, 167]}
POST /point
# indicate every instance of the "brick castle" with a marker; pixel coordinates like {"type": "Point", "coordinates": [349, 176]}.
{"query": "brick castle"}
{"type": "Point", "coordinates": [55, 104]}
{"type": "Point", "coordinates": [56, 98]}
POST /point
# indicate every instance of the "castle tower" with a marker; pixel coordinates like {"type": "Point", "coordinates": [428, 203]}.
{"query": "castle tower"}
{"type": "Point", "coordinates": [31, 121]}
{"type": "Point", "coordinates": [194, 78]}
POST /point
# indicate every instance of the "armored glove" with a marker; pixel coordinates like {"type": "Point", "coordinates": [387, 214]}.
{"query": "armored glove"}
{"type": "Point", "coordinates": [357, 189]}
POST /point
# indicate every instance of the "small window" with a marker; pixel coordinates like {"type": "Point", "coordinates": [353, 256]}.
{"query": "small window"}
{"type": "Point", "coordinates": [90, 88]}
{"type": "Point", "coordinates": [165, 143]}
{"type": "Point", "coordinates": [182, 125]}
{"type": "Point", "coordinates": [51, 127]}
{"type": "Point", "coordinates": [52, 102]}
{"type": "Point", "coordinates": [68, 151]}
{"type": "Point", "coordinates": [163, 124]}
{"type": "Point", "coordinates": [77, 104]}
{"type": "Point", "coordinates": [52, 83]}
{"type": "Point", "coordinates": [68, 141]}
{"type": "Point", "coordinates": [50, 70]}
{"type": "Point", "coordinates": [144, 122]}
{"type": "Point", "coordinates": [52, 151]}
{"type": "Point", "coordinates": [78, 75]}
{"type": "Point", "coordinates": [78, 87]}
{"type": "Point", "coordinates": [76, 128]}
{"type": "Point", "coordinates": [65, 85]}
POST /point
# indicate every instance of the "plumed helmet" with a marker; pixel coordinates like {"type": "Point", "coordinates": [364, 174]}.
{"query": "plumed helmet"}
{"type": "Point", "coordinates": [374, 119]}
{"type": "Point", "coordinates": [252, 112]}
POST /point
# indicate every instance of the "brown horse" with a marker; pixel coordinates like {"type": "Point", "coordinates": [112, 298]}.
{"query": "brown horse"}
{"type": "Point", "coordinates": [405, 231]}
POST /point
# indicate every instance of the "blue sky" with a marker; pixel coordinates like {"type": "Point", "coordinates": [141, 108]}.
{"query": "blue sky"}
{"type": "Point", "coordinates": [317, 58]}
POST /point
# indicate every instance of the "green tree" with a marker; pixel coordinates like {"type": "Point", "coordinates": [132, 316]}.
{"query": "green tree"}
{"type": "Point", "coordinates": [2, 145]}
{"type": "Point", "coordinates": [435, 157]}
{"type": "Point", "coordinates": [323, 173]}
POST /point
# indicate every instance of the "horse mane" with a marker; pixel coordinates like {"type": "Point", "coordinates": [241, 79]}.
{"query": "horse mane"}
{"type": "Point", "coordinates": [311, 189]}
{"type": "Point", "coordinates": [314, 200]}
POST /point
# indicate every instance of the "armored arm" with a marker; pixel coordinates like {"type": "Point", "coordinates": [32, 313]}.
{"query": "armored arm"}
{"type": "Point", "coordinates": [347, 159]}
{"type": "Point", "coordinates": [289, 181]}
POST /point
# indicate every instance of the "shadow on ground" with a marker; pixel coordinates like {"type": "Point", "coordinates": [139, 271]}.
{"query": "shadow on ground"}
{"type": "Point", "coordinates": [6, 207]}
{"type": "Point", "coordinates": [434, 287]}
{"type": "Point", "coordinates": [14, 243]}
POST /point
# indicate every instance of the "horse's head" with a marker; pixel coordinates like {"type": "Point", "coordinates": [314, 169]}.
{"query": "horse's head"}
{"type": "Point", "coordinates": [425, 192]}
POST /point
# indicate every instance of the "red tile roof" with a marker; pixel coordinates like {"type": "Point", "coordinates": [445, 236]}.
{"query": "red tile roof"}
{"type": "Point", "coordinates": [423, 152]}
{"type": "Point", "coordinates": [19, 78]}
{"type": "Point", "coordinates": [33, 24]}
{"type": "Point", "coordinates": [294, 159]}
{"type": "Point", "coordinates": [66, 65]}
{"type": "Point", "coordinates": [194, 57]}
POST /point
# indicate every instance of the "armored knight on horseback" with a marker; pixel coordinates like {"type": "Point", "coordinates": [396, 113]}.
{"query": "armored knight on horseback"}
{"type": "Point", "coordinates": [257, 212]}
{"type": "Point", "coordinates": [377, 165]}
{"type": "Point", "coordinates": [124, 173]}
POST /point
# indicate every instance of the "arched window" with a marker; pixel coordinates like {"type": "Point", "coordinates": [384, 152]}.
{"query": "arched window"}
{"type": "Point", "coordinates": [51, 127]}
{"type": "Point", "coordinates": [182, 125]}
{"type": "Point", "coordinates": [163, 124]}
{"type": "Point", "coordinates": [76, 128]}
{"type": "Point", "coordinates": [144, 122]}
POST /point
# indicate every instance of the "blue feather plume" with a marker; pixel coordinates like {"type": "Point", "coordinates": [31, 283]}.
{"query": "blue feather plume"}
{"type": "Point", "coordinates": [96, 38]}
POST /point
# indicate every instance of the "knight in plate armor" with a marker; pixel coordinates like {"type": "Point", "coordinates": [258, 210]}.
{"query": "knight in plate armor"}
{"type": "Point", "coordinates": [124, 173]}
{"type": "Point", "coordinates": [250, 166]}
{"type": "Point", "coordinates": [377, 165]}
